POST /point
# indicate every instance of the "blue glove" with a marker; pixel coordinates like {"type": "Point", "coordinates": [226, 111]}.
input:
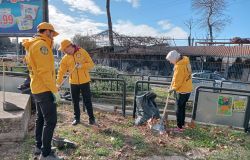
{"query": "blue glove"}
{"type": "Point", "coordinates": [56, 97]}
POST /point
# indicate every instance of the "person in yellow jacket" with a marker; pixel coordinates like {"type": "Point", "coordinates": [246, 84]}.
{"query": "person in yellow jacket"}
{"type": "Point", "coordinates": [40, 63]}
{"type": "Point", "coordinates": [78, 63]}
{"type": "Point", "coordinates": [181, 84]}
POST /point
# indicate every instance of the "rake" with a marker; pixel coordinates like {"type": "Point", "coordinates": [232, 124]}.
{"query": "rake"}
{"type": "Point", "coordinates": [160, 127]}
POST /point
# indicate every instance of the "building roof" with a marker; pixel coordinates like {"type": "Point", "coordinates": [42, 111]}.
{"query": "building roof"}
{"type": "Point", "coordinates": [218, 51]}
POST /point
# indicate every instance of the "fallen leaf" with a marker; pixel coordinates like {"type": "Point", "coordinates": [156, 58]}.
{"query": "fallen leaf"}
{"type": "Point", "coordinates": [188, 138]}
{"type": "Point", "coordinates": [118, 154]}
{"type": "Point", "coordinates": [161, 142]}
{"type": "Point", "coordinates": [112, 139]}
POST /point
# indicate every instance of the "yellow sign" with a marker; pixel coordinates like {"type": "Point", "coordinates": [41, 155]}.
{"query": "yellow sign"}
{"type": "Point", "coordinates": [239, 104]}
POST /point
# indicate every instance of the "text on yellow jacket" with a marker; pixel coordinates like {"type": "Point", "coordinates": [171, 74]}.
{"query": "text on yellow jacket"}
{"type": "Point", "coordinates": [182, 78]}
{"type": "Point", "coordinates": [40, 62]}
{"type": "Point", "coordinates": [80, 74]}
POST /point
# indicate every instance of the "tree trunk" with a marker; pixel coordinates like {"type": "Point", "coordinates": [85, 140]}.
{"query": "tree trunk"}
{"type": "Point", "coordinates": [209, 24]}
{"type": "Point", "coordinates": [111, 40]}
{"type": "Point", "coordinates": [210, 32]}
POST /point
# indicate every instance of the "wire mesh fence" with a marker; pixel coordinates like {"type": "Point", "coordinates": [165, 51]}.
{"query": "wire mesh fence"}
{"type": "Point", "coordinates": [208, 70]}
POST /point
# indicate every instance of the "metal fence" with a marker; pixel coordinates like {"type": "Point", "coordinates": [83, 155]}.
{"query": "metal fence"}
{"type": "Point", "coordinates": [235, 85]}
{"type": "Point", "coordinates": [136, 90]}
{"type": "Point", "coordinates": [229, 107]}
{"type": "Point", "coordinates": [123, 90]}
{"type": "Point", "coordinates": [138, 66]}
{"type": "Point", "coordinates": [228, 70]}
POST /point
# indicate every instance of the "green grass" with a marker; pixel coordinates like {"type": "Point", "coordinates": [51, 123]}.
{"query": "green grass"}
{"type": "Point", "coordinates": [212, 137]}
{"type": "Point", "coordinates": [232, 153]}
{"type": "Point", "coordinates": [117, 137]}
{"type": "Point", "coordinates": [27, 150]}
{"type": "Point", "coordinates": [102, 151]}
{"type": "Point", "coordinates": [224, 143]}
{"type": "Point", "coordinates": [201, 137]}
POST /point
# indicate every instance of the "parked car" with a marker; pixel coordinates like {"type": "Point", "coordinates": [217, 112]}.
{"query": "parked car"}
{"type": "Point", "coordinates": [208, 75]}
{"type": "Point", "coordinates": [216, 77]}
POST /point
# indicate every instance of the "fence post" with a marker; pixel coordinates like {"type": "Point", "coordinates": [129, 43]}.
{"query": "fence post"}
{"type": "Point", "coordinates": [135, 93]}
{"type": "Point", "coordinates": [124, 98]}
{"type": "Point", "coordinates": [247, 115]}
{"type": "Point", "coordinates": [148, 80]}
{"type": "Point", "coordinates": [142, 83]}
{"type": "Point", "coordinates": [117, 82]}
{"type": "Point", "coordinates": [195, 103]}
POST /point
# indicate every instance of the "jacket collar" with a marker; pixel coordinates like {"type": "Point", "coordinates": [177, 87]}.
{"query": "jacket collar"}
{"type": "Point", "coordinates": [45, 38]}
{"type": "Point", "coordinates": [76, 48]}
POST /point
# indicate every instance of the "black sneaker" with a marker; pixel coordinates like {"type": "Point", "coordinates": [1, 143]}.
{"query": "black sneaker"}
{"type": "Point", "coordinates": [51, 156]}
{"type": "Point", "coordinates": [75, 122]}
{"type": "Point", "coordinates": [92, 121]}
{"type": "Point", "coordinates": [38, 151]}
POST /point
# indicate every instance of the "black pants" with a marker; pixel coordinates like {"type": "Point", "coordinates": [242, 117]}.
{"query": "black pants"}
{"type": "Point", "coordinates": [46, 119]}
{"type": "Point", "coordinates": [181, 100]}
{"type": "Point", "coordinates": [84, 89]}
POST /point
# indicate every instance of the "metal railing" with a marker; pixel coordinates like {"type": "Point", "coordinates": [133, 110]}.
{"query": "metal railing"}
{"type": "Point", "coordinates": [10, 73]}
{"type": "Point", "coordinates": [13, 67]}
{"type": "Point", "coordinates": [123, 98]}
{"type": "Point", "coordinates": [233, 84]}
{"type": "Point", "coordinates": [102, 74]}
{"type": "Point", "coordinates": [168, 78]}
{"type": "Point", "coordinates": [231, 92]}
{"type": "Point", "coordinates": [136, 90]}
{"type": "Point", "coordinates": [120, 75]}
{"type": "Point", "coordinates": [123, 90]}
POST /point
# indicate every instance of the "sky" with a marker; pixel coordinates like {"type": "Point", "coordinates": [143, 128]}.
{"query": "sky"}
{"type": "Point", "coordinates": [160, 18]}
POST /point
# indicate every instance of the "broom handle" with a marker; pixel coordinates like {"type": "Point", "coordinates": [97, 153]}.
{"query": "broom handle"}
{"type": "Point", "coordinates": [68, 76]}
{"type": "Point", "coordinates": [166, 105]}
{"type": "Point", "coordinates": [165, 110]}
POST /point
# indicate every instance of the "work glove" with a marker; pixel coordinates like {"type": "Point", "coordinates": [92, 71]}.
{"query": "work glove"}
{"type": "Point", "coordinates": [56, 97]}
{"type": "Point", "coordinates": [170, 91]}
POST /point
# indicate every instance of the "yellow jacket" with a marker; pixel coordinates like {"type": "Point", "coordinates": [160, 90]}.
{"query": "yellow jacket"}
{"type": "Point", "coordinates": [40, 62]}
{"type": "Point", "coordinates": [182, 78]}
{"type": "Point", "coordinates": [80, 74]}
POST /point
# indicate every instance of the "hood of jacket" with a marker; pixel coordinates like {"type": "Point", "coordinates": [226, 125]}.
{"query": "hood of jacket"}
{"type": "Point", "coordinates": [183, 61]}
{"type": "Point", "coordinates": [37, 37]}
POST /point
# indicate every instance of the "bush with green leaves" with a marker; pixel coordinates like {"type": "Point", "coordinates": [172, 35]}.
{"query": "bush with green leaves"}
{"type": "Point", "coordinates": [110, 72]}
{"type": "Point", "coordinates": [104, 72]}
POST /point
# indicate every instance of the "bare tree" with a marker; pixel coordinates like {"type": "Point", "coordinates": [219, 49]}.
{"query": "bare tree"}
{"type": "Point", "coordinates": [190, 25]}
{"type": "Point", "coordinates": [212, 15]}
{"type": "Point", "coordinates": [111, 41]}
{"type": "Point", "coordinates": [84, 41]}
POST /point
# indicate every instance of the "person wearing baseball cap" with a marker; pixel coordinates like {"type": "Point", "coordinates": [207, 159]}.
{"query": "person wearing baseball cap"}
{"type": "Point", "coordinates": [78, 62]}
{"type": "Point", "coordinates": [40, 62]}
